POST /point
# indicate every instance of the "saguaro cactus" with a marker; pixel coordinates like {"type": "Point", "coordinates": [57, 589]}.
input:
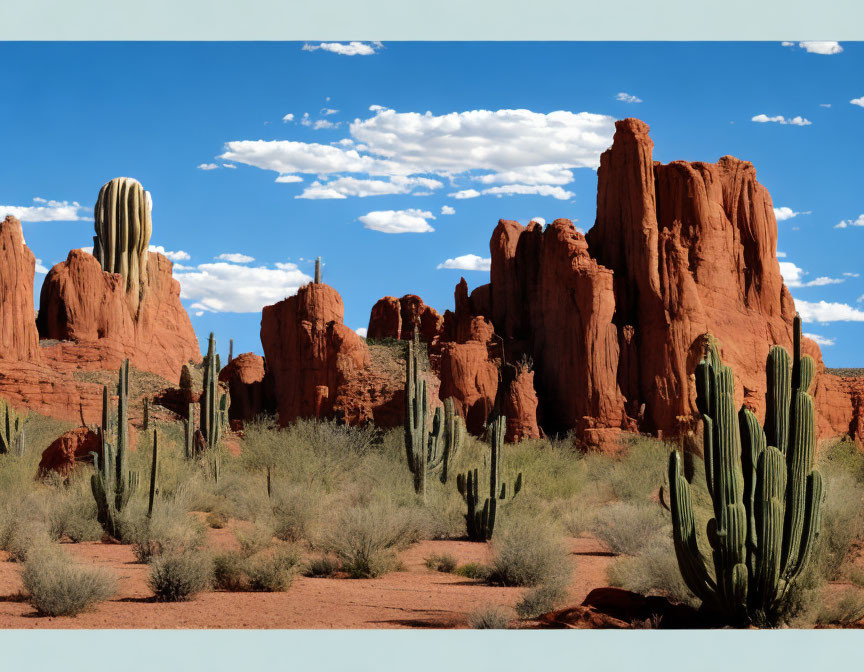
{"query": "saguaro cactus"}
{"type": "Point", "coordinates": [189, 434]}
{"type": "Point", "coordinates": [112, 485]}
{"type": "Point", "coordinates": [416, 411]}
{"type": "Point", "coordinates": [767, 496]}
{"type": "Point", "coordinates": [318, 271]}
{"type": "Point", "coordinates": [480, 523]}
{"type": "Point", "coordinates": [123, 227]}
{"type": "Point", "coordinates": [153, 465]}
{"type": "Point", "coordinates": [445, 439]}
{"type": "Point", "coordinates": [214, 403]}
{"type": "Point", "coordinates": [11, 430]}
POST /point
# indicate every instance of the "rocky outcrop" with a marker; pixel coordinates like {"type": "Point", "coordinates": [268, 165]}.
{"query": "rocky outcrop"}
{"type": "Point", "coordinates": [396, 318]}
{"type": "Point", "coordinates": [320, 367]}
{"type": "Point", "coordinates": [245, 378]}
{"type": "Point", "coordinates": [89, 311]}
{"type": "Point", "coordinates": [520, 403]}
{"type": "Point", "coordinates": [19, 340]}
{"type": "Point", "coordinates": [71, 447]}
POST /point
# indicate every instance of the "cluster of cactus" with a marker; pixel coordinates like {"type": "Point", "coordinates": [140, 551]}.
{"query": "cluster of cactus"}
{"type": "Point", "coordinates": [123, 227]}
{"type": "Point", "coordinates": [766, 494]}
{"type": "Point", "coordinates": [480, 522]}
{"type": "Point", "coordinates": [11, 430]}
{"type": "Point", "coordinates": [428, 452]}
{"type": "Point", "coordinates": [112, 485]}
{"type": "Point", "coordinates": [214, 403]}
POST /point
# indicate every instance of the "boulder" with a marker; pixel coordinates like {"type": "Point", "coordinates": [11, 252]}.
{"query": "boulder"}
{"type": "Point", "coordinates": [395, 318]}
{"type": "Point", "coordinates": [67, 449]}
{"type": "Point", "coordinates": [244, 377]}
{"type": "Point", "coordinates": [520, 404]}
{"type": "Point", "coordinates": [19, 340]}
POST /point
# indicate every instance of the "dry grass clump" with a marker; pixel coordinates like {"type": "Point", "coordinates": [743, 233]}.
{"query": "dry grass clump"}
{"type": "Point", "coordinates": [255, 538]}
{"type": "Point", "coordinates": [170, 530]}
{"type": "Point", "coordinates": [322, 567]}
{"type": "Point", "coordinates": [443, 562]}
{"type": "Point", "coordinates": [625, 526]}
{"type": "Point", "coordinates": [272, 572]}
{"type": "Point", "coordinates": [528, 552]}
{"type": "Point", "coordinates": [178, 577]}
{"type": "Point", "coordinates": [228, 572]}
{"type": "Point", "coordinates": [490, 617]}
{"type": "Point", "coordinates": [57, 586]}
{"type": "Point", "coordinates": [538, 601]}
{"type": "Point", "coordinates": [366, 539]}
{"type": "Point", "coordinates": [843, 609]}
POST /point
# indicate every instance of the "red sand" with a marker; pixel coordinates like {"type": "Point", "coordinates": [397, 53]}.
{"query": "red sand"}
{"type": "Point", "coordinates": [412, 598]}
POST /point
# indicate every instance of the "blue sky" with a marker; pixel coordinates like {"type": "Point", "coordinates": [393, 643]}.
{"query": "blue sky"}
{"type": "Point", "coordinates": [522, 124]}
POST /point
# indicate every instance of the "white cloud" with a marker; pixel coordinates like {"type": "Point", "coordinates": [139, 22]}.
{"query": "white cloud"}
{"type": "Point", "coordinates": [627, 98]}
{"type": "Point", "coordinates": [44, 211]}
{"type": "Point", "coordinates": [793, 276]}
{"type": "Point", "coordinates": [824, 104]}
{"type": "Point", "coordinates": [40, 268]}
{"type": "Point", "coordinates": [842, 225]}
{"type": "Point", "coordinates": [530, 189]}
{"type": "Point", "coordinates": [361, 331]}
{"type": "Point", "coordinates": [448, 210]}
{"type": "Point", "coordinates": [235, 257]}
{"type": "Point", "coordinates": [350, 49]}
{"type": "Point", "coordinates": [208, 166]}
{"type": "Point", "coordinates": [824, 48]}
{"type": "Point", "coordinates": [503, 147]}
{"type": "Point", "coordinates": [288, 117]}
{"type": "Point", "coordinates": [781, 255]}
{"type": "Point", "coordinates": [780, 119]}
{"type": "Point", "coordinates": [398, 221]}
{"type": "Point", "coordinates": [343, 187]}
{"type": "Point", "coordinates": [288, 179]}
{"type": "Point", "coordinates": [324, 123]}
{"type": "Point", "coordinates": [222, 287]}
{"type": "Point", "coordinates": [820, 340]}
{"type": "Point", "coordinates": [328, 111]}
{"type": "Point", "coordinates": [467, 262]}
{"type": "Point", "coordinates": [173, 255]}
{"type": "Point", "coordinates": [852, 275]}
{"type": "Point", "coordinates": [539, 220]}
{"type": "Point", "coordinates": [824, 311]}
{"type": "Point", "coordinates": [465, 193]}
{"type": "Point", "coordinates": [88, 249]}
{"type": "Point", "coordinates": [783, 213]}
{"type": "Point", "coordinates": [229, 165]}
{"type": "Point", "coordinates": [858, 101]}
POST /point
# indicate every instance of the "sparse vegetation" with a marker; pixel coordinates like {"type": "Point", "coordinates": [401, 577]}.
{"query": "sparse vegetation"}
{"type": "Point", "coordinates": [625, 526]}
{"type": "Point", "coordinates": [441, 563]}
{"type": "Point", "coordinates": [177, 577]}
{"type": "Point", "coordinates": [490, 617]}
{"type": "Point", "coordinates": [529, 553]}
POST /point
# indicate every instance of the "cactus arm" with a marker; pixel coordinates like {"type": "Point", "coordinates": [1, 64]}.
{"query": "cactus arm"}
{"type": "Point", "coordinates": [769, 515]}
{"type": "Point", "coordinates": [752, 445]}
{"type": "Point", "coordinates": [778, 398]}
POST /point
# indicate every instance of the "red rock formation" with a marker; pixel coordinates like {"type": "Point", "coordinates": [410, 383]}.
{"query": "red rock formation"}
{"type": "Point", "coordinates": [88, 308]}
{"type": "Point", "coordinates": [19, 340]}
{"type": "Point", "coordinates": [395, 318]}
{"type": "Point", "coordinates": [520, 404]}
{"type": "Point", "coordinates": [244, 377]}
{"type": "Point", "coordinates": [71, 447]}
{"type": "Point", "coordinates": [308, 348]}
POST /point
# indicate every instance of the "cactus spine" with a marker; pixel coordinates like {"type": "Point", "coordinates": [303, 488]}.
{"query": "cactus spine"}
{"type": "Point", "coordinates": [767, 496]}
{"type": "Point", "coordinates": [214, 404]}
{"type": "Point", "coordinates": [123, 227]}
{"type": "Point", "coordinates": [480, 523]}
{"type": "Point", "coordinates": [11, 430]}
{"type": "Point", "coordinates": [153, 464]}
{"type": "Point", "coordinates": [112, 485]}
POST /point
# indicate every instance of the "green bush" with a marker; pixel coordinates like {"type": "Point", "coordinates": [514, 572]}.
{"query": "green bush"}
{"type": "Point", "coordinates": [441, 563]}
{"type": "Point", "coordinates": [254, 539]}
{"type": "Point", "coordinates": [624, 526]}
{"type": "Point", "coordinates": [177, 577]}
{"type": "Point", "coordinates": [541, 600]}
{"type": "Point", "coordinates": [272, 572]}
{"type": "Point", "coordinates": [322, 567]}
{"type": "Point", "coordinates": [57, 586]}
{"type": "Point", "coordinates": [171, 530]}
{"type": "Point", "coordinates": [473, 570]}
{"type": "Point", "coordinates": [228, 572]}
{"type": "Point", "coordinates": [529, 552]}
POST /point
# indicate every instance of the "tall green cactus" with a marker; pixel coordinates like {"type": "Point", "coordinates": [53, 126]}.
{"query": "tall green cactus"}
{"type": "Point", "coordinates": [214, 403]}
{"type": "Point", "coordinates": [766, 494]}
{"type": "Point", "coordinates": [318, 271]}
{"type": "Point", "coordinates": [153, 464]}
{"type": "Point", "coordinates": [123, 227]}
{"type": "Point", "coordinates": [11, 430]}
{"type": "Point", "coordinates": [445, 439]}
{"type": "Point", "coordinates": [480, 523]}
{"type": "Point", "coordinates": [112, 485]}
{"type": "Point", "coordinates": [416, 411]}
{"type": "Point", "coordinates": [189, 434]}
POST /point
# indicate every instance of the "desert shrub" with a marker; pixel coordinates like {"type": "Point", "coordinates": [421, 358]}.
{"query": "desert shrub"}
{"type": "Point", "coordinates": [255, 538]}
{"type": "Point", "coordinates": [441, 563]}
{"type": "Point", "coordinates": [490, 617]}
{"type": "Point", "coordinates": [271, 572]}
{"type": "Point", "coordinates": [652, 570]}
{"type": "Point", "coordinates": [842, 523]}
{"type": "Point", "coordinates": [171, 530]}
{"type": "Point", "coordinates": [177, 577]}
{"type": "Point", "coordinates": [540, 600]}
{"type": "Point", "coordinates": [228, 572]}
{"type": "Point", "coordinates": [71, 510]}
{"type": "Point", "coordinates": [576, 516]}
{"type": "Point", "coordinates": [528, 552]}
{"type": "Point", "coordinates": [366, 539]}
{"type": "Point", "coordinates": [322, 567]}
{"type": "Point", "coordinates": [846, 609]}
{"type": "Point", "coordinates": [472, 570]}
{"type": "Point", "coordinates": [57, 586]}
{"type": "Point", "coordinates": [624, 526]}
{"type": "Point", "coordinates": [637, 472]}
{"type": "Point", "coordinates": [21, 536]}
{"type": "Point", "coordinates": [295, 513]}
{"type": "Point", "coordinates": [217, 520]}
